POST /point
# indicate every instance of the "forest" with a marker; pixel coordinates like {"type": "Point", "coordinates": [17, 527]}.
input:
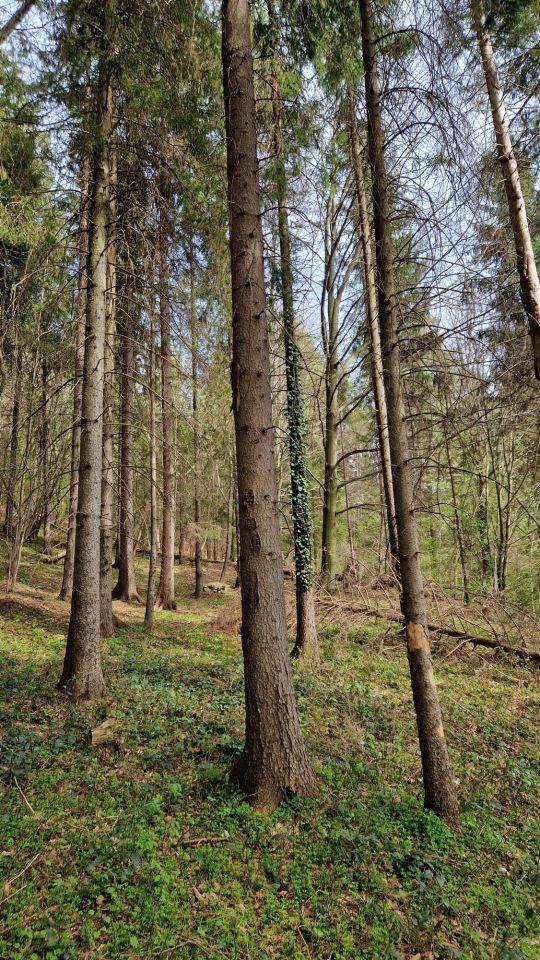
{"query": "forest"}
{"type": "Point", "coordinates": [269, 479]}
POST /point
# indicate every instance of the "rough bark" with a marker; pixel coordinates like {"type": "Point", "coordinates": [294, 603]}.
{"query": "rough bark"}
{"type": "Point", "coordinates": [372, 312]}
{"type": "Point", "coordinates": [107, 474]}
{"type": "Point", "coordinates": [526, 263]}
{"type": "Point", "coordinates": [306, 643]}
{"type": "Point", "coordinates": [198, 591]}
{"type": "Point", "coordinates": [45, 474]}
{"type": "Point", "coordinates": [82, 675]}
{"type": "Point", "coordinates": [151, 586]}
{"type": "Point", "coordinates": [331, 379]}
{"type": "Point", "coordinates": [80, 319]}
{"type": "Point", "coordinates": [439, 787]}
{"type": "Point", "coordinates": [166, 582]}
{"type": "Point", "coordinates": [126, 585]}
{"type": "Point", "coordinates": [274, 763]}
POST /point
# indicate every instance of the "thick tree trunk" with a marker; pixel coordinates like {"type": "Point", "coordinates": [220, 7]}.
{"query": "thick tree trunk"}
{"type": "Point", "coordinates": [151, 586]}
{"type": "Point", "coordinates": [439, 788]}
{"type": "Point", "coordinates": [82, 676]}
{"type": "Point", "coordinates": [372, 312]}
{"type": "Point", "coordinates": [526, 263]}
{"type": "Point", "coordinates": [9, 521]}
{"type": "Point", "coordinates": [274, 763]}
{"type": "Point", "coordinates": [126, 586]}
{"type": "Point", "coordinates": [306, 644]}
{"type": "Point", "coordinates": [80, 320]}
{"type": "Point", "coordinates": [166, 583]}
{"type": "Point", "coordinates": [107, 476]}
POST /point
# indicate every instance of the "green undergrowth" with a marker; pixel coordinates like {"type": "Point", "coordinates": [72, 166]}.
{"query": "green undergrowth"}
{"type": "Point", "coordinates": [143, 849]}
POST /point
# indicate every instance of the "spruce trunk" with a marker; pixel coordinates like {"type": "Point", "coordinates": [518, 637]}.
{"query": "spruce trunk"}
{"type": "Point", "coordinates": [274, 763]}
{"type": "Point", "coordinates": [526, 262]}
{"type": "Point", "coordinates": [306, 644]}
{"type": "Point", "coordinates": [370, 296]}
{"type": "Point", "coordinates": [107, 474]}
{"type": "Point", "coordinates": [126, 585]}
{"type": "Point", "coordinates": [80, 320]}
{"type": "Point", "coordinates": [166, 583]}
{"type": "Point", "coordinates": [439, 787]}
{"type": "Point", "coordinates": [82, 675]}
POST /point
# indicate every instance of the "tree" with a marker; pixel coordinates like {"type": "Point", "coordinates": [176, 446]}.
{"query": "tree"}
{"type": "Point", "coordinates": [80, 320]}
{"type": "Point", "coordinates": [126, 586]}
{"type": "Point", "coordinates": [439, 788]}
{"type": "Point", "coordinates": [15, 19]}
{"type": "Point", "coordinates": [166, 598]}
{"type": "Point", "coordinates": [306, 643]}
{"type": "Point", "coordinates": [526, 262]}
{"type": "Point", "coordinates": [82, 676]}
{"type": "Point", "coordinates": [370, 299]}
{"type": "Point", "coordinates": [274, 761]}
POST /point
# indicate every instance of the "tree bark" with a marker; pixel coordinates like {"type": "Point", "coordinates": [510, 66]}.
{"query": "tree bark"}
{"type": "Point", "coordinates": [331, 380]}
{"type": "Point", "coordinates": [9, 521]}
{"type": "Point", "coordinates": [107, 475]}
{"type": "Point", "coordinates": [526, 262]}
{"type": "Point", "coordinates": [80, 318]}
{"type": "Point", "coordinates": [166, 583]}
{"type": "Point", "coordinates": [44, 439]}
{"type": "Point", "coordinates": [126, 585]}
{"type": "Point", "coordinates": [274, 763]}
{"type": "Point", "coordinates": [14, 21]}
{"type": "Point", "coordinates": [370, 296]}
{"type": "Point", "coordinates": [198, 591]}
{"type": "Point", "coordinates": [439, 788]}
{"type": "Point", "coordinates": [306, 645]}
{"type": "Point", "coordinates": [82, 675]}
{"type": "Point", "coordinates": [151, 586]}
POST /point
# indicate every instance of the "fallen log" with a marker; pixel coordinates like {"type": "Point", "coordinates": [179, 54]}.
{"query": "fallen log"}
{"type": "Point", "coordinates": [55, 558]}
{"type": "Point", "coordinates": [394, 617]}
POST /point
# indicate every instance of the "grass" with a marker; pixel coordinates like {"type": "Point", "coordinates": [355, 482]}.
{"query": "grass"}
{"type": "Point", "coordinates": [146, 851]}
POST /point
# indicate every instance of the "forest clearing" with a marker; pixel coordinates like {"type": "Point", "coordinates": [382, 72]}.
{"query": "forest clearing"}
{"type": "Point", "coordinates": [269, 479]}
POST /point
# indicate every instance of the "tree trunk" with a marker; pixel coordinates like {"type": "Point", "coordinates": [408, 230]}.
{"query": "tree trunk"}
{"type": "Point", "coordinates": [228, 544]}
{"type": "Point", "coordinates": [107, 476]}
{"type": "Point", "coordinates": [126, 586]}
{"type": "Point", "coordinates": [15, 19]}
{"type": "Point", "coordinates": [9, 522]}
{"type": "Point", "coordinates": [80, 319]}
{"type": "Point", "coordinates": [44, 440]}
{"type": "Point", "coordinates": [439, 788]}
{"type": "Point", "coordinates": [372, 311]}
{"type": "Point", "coordinates": [331, 379]}
{"type": "Point", "coordinates": [198, 592]}
{"type": "Point", "coordinates": [151, 587]}
{"type": "Point", "coordinates": [82, 676]}
{"type": "Point", "coordinates": [526, 263]}
{"type": "Point", "coordinates": [274, 763]}
{"type": "Point", "coordinates": [306, 644]}
{"type": "Point", "coordinates": [166, 583]}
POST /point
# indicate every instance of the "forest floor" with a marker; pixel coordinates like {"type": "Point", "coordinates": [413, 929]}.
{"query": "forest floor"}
{"type": "Point", "coordinates": [144, 850]}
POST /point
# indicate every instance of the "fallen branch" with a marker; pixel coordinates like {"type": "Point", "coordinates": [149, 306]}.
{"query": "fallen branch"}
{"type": "Point", "coordinates": [54, 559]}
{"type": "Point", "coordinates": [393, 617]}
{"type": "Point", "coordinates": [25, 798]}
{"type": "Point", "coordinates": [198, 841]}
